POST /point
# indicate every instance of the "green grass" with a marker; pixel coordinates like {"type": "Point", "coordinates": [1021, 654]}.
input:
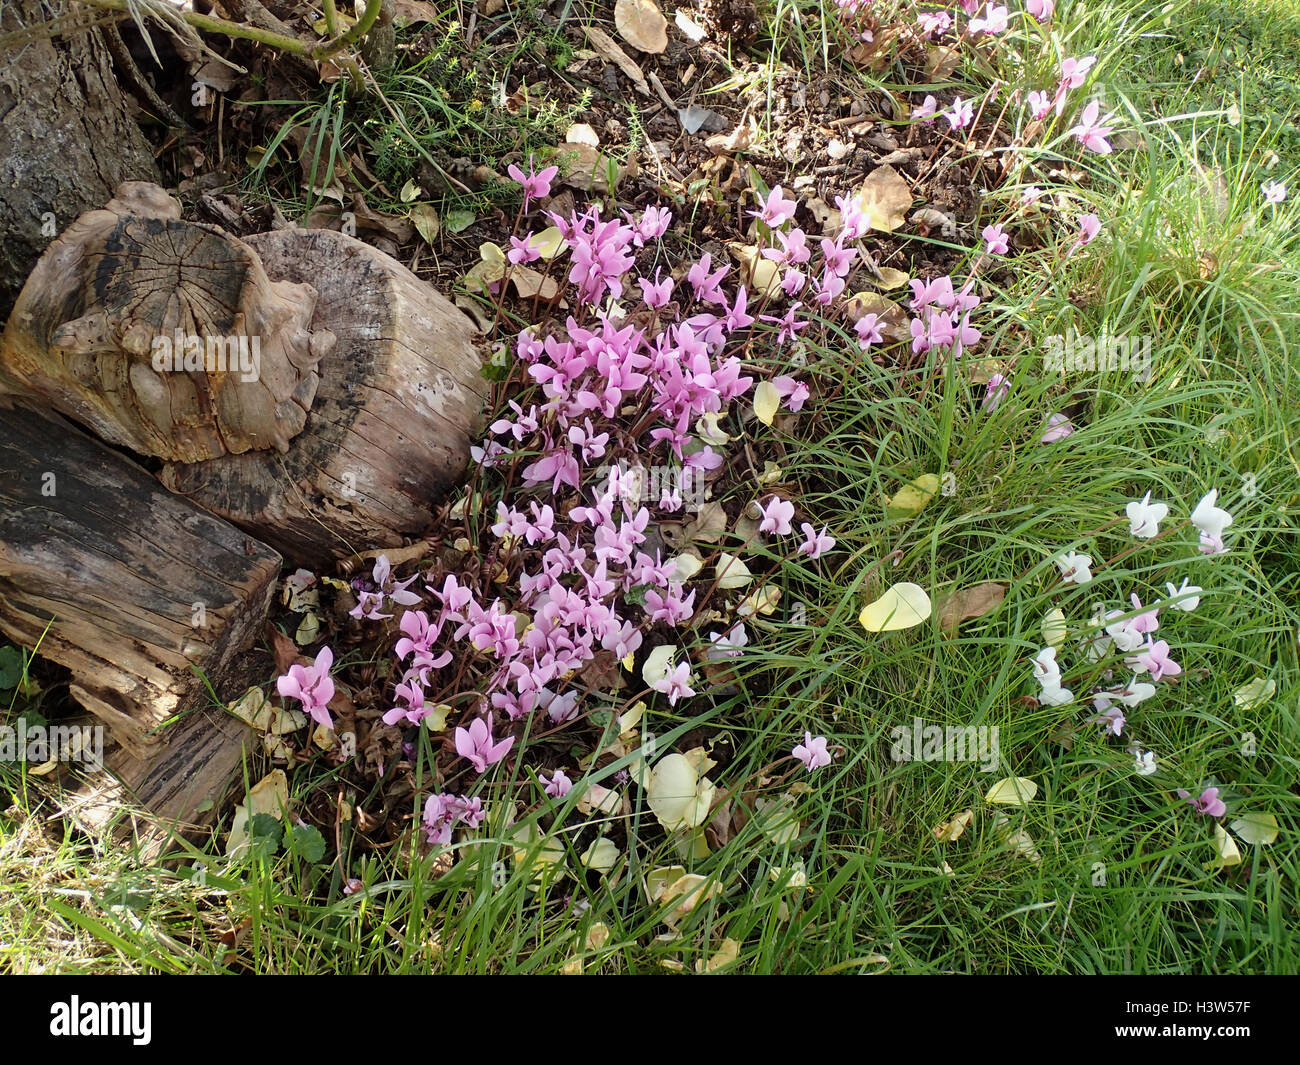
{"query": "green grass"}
{"type": "Point", "coordinates": [1190, 257]}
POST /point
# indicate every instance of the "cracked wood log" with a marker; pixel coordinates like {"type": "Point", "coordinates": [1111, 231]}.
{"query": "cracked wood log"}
{"type": "Point", "coordinates": [389, 432]}
{"type": "Point", "coordinates": [140, 593]}
{"type": "Point", "coordinates": [356, 420]}
{"type": "Point", "coordinates": [166, 337]}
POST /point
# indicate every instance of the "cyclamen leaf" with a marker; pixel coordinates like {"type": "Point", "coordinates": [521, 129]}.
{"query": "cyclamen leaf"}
{"type": "Point", "coordinates": [306, 842]}
{"type": "Point", "coordinates": [1255, 693]}
{"type": "Point", "coordinates": [1054, 628]}
{"type": "Point", "coordinates": [11, 668]}
{"type": "Point", "coordinates": [911, 499]}
{"type": "Point", "coordinates": [1229, 852]}
{"type": "Point", "coordinates": [1257, 828]}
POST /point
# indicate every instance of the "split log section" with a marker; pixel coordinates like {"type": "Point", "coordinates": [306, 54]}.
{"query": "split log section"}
{"type": "Point", "coordinates": [298, 384]}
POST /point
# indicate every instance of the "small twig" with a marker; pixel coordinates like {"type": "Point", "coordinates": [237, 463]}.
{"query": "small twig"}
{"type": "Point", "coordinates": [279, 41]}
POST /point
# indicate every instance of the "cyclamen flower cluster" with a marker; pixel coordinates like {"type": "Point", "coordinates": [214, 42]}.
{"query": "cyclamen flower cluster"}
{"type": "Point", "coordinates": [371, 596]}
{"type": "Point", "coordinates": [443, 812]}
{"type": "Point", "coordinates": [1132, 635]}
{"type": "Point", "coordinates": [585, 585]}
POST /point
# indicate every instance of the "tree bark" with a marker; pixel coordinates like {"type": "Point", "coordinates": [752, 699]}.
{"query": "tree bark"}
{"type": "Point", "coordinates": [389, 432]}
{"type": "Point", "coordinates": [67, 139]}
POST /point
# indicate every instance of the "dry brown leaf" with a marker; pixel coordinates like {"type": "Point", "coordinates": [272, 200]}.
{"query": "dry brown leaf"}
{"type": "Point", "coordinates": [610, 51]}
{"type": "Point", "coordinates": [889, 278]}
{"type": "Point", "coordinates": [878, 53]}
{"type": "Point", "coordinates": [586, 168]}
{"type": "Point", "coordinates": [973, 602]}
{"type": "Point", "coordinates": [424, 216]}
{"type": "Point", "coordinates": [709, 524]}
{"type": "Point", "coordinates": [941, 61]}
{"type": "Point", "coordinates": [894, 322]}
{"type": "Point", "coordinates": [409, 12]}
{"type": "Point", "coordinates": [642, 25]}
{"type": "Point", "coordinates": [885, 198]}
{"type": "Point", "coordinates": [738, 140]}
{"type": "Point", "coordinates": [529, 283]}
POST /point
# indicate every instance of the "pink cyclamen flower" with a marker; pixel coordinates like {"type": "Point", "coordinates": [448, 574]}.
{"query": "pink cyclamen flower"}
{"type": "Point", "coordinates": [522, 251]}
{"type": "Point", "coordinates": [815, 543]}
{"type": "Point", "coordinates": [558, 785]}
{"type": "Point", "coordinates": [869, 331]}
{"type": "Point", "coordinates": [788, 325]}
{"type": "Point", "coordinates": [476, 744]}
{"type": "Point", "coordinates": [1212, 545]}
{"type": "Point", "coordinates": [724, 645]}
{"type": "Point", "coordinates": [1039, 104]}
{"type": "Point", "coordinates": [1207, 803]}
{"type": "Point", "coordinates": [1112, 721]}
{"type": "Point", "coordinates": [776, 516]}
{"type": "Point", "coordinates": [1156, 661]}
{"type": "Point", "coordinates": [537, 184]}
{"type": "Point", "coordinates": [996, 239]}
{"type": "Point", "coordinates": [1040, 10]}
{"type": "Point", "coordinates": [1091, 135]}
{"type": "Point", "coordinates": [312, 686]}
{"type": "Point", "coordinates": [927, 111]}
{"type": "Point", "coordinates": [960, 115]}
{"type": "Point", "coordinates": [367, 608]}
{"type": "Point", "coordinates": [393, 589]}
{"type": "Point", "coordinates": [675, 683]}
{"type": "Point", "coordinates": [995, 20]}
{"type": "Point", "coordinates": [994, 392]}
{"type": "Point", "coordinates": [656, 293]}
{"type": "Point", "coordinates": [776, 210]}
{"type": "Point", "coordinates": [1074, 72]}
{"type": "Point", "coordinates": [1089, 227]}
{"type": "Point", "coordinates": [812, 752]}
{"type": "Point", "coordinates": [1058, 428]}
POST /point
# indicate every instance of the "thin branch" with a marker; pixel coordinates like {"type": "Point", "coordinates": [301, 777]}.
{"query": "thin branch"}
{"type": "Point", "coordinates": [279, 41]}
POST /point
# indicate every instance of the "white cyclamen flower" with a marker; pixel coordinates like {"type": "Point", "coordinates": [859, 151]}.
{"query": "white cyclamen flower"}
{"type": "Point", "coordinates": [1188, 596]}
{"type": "Point", "coordinates": [1146, 763]}
{"type": "Point", "coordinates": [1210, 519]}
{"type": "Point", "coordinates": [1046, 671]}
{"type": "Point", "coordinates": [1144, 517]}
{"type": "Point", "coordinates": [1075, 568]}
{"type": "Point", "coordinates": [1055, 695]}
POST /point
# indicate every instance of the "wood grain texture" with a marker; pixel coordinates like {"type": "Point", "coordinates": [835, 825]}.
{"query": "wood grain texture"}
{"type": "Point", "coordinates": [109, 574]}
{"type": "Point", "coordinates": [388, 435]}
{"type": "Point", "coordinates": [164, 336]}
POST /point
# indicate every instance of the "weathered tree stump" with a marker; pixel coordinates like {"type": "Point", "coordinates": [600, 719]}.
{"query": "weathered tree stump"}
{"type": "Point", "coordinates": [356, 422]}
{"type": "Point", "coordinates": [358, 419]}
{"type": "Point", "coordinates": [390, 429]}
{"type": "Point", "coordinates": [140, 593]}
{"type": "Point", "coordinates": [177, 790]}
{"type": "Point", "coordinates": [165, 336]}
